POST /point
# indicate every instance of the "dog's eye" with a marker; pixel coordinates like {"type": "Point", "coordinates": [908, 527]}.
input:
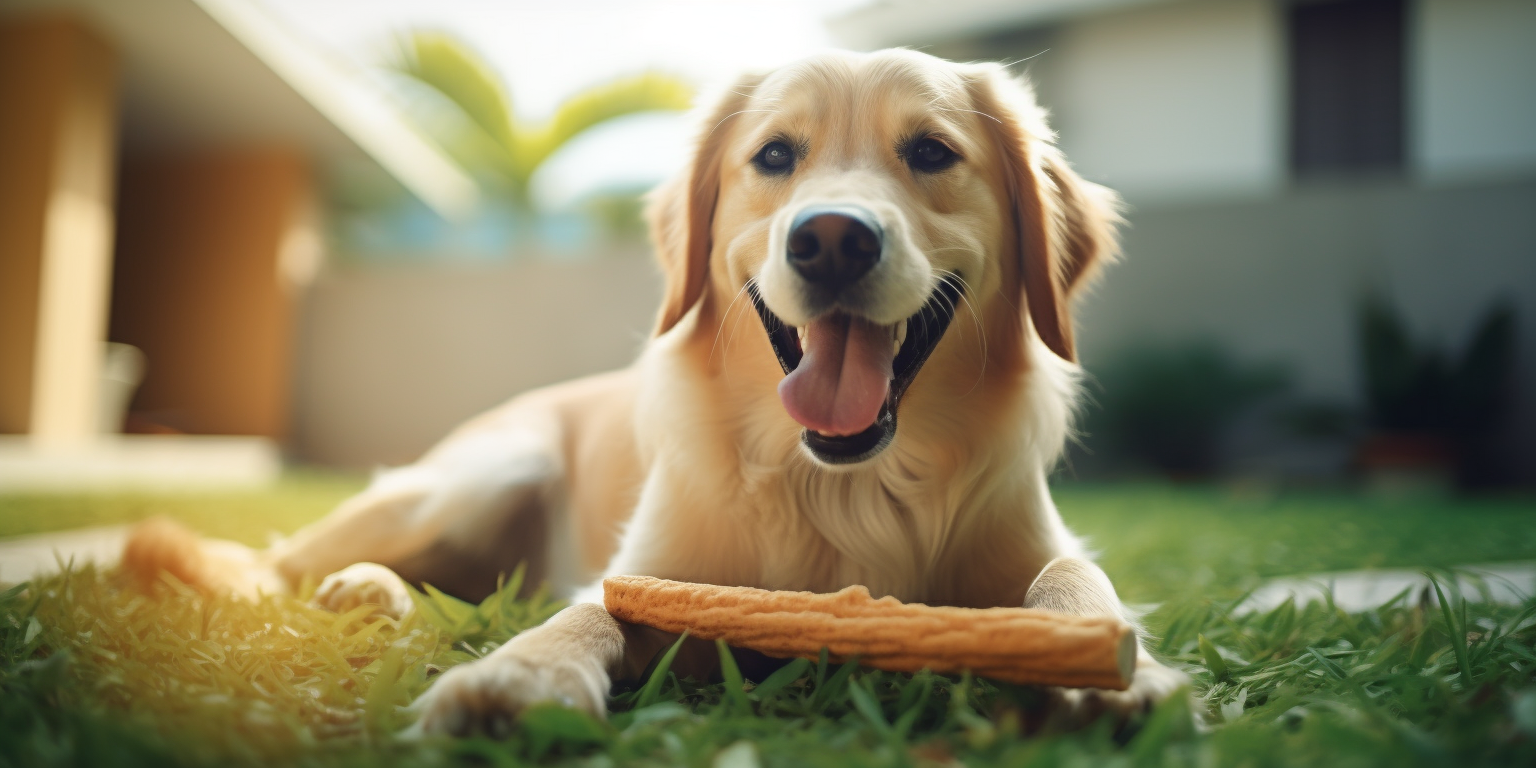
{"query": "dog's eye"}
{"type": "Point", "coordinates": [775, 158]}
{"type": "Point", "coordinates": [930, 156]}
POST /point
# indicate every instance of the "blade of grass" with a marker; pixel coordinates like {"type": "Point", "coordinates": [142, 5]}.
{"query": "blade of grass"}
{"type": "Point", "coordinates": [780, 678]}
{"type": "Point", "coordinates": [429, 610]}
{"type": "Point", "coordinates": [652, 687]}
{"type": "Point", "coordinates": [1458, 635]}
{"type": "Point", "coordinates": [834, 687]}
{"type": "Point", "coordinates": [383, 691]}
{"type": "Point", "coordinates": [865, 703]}
{"type": "Point", "coordinates": [735, 686]}
{"type": "Point", "coordinates": [916, 692]}
{"type": "Point", "coordinates": [457, 611]}
{"type": "Point", "coordinates": [1329, 665]}
{"type": "Point", "coordinates": [1213, 660]}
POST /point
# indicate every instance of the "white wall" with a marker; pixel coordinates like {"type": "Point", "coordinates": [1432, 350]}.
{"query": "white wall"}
{"type": "Point", "coordinates": [1186, 101]}
{"type": "Point", "coordinates": [1181, 101]}
{"type": "Point", "coordinates": [1474, 95]}
{"type": "Point", "coordinates": [391, 358]}
{"type": "Point", "coordinates": [1279, 280]}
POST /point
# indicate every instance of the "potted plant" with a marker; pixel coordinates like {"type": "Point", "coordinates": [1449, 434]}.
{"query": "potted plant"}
{"type": "Point", "coordinates": [1169, 406]}
{"type": "Point", "coordinates": [1427, 410]}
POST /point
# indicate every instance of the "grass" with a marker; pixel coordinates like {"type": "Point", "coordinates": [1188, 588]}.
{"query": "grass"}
{"type": "Point", "coordinates": [94, 672]}
{"type": "Point", "coordinates": [248, 516]}
{"type": "Point", "coordinates": [1162, 542]}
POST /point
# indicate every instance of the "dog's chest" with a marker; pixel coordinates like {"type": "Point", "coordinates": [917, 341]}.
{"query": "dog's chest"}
{"type": "Point", "coordinates": [916, 544]}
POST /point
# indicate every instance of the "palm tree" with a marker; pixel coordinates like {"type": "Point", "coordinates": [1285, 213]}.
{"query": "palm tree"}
{"type": "Point", "coordinates": [486, 134]}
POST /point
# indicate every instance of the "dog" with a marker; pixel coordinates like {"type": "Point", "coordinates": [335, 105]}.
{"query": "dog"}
{"type": "Point", "coordinates": [862, 372]}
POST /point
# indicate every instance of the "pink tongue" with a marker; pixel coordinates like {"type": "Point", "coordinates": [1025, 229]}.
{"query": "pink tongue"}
{"type": "Point", "coordinates": [843, 378]}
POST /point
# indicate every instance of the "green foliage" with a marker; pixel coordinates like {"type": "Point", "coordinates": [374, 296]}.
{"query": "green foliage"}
{"type": "Point", "coordinates": [1415, 387]}
{"type": "Point", "coordinates": [1167, 406]}
{"type": "Point", "coordinates": [482, 627]}
{"type": "Point", "coordinates": [498, 141]}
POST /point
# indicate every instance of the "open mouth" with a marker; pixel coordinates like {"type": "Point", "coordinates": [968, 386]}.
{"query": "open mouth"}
{"type": "Point", "coordinates": [853, 370]}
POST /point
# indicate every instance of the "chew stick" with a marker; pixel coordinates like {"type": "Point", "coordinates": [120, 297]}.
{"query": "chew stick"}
{"type": "Point", "coordinates": [1017, 645]}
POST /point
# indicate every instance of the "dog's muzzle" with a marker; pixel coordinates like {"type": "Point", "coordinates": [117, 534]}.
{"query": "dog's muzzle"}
{"type": "Point", "coordinates": [914, 340]}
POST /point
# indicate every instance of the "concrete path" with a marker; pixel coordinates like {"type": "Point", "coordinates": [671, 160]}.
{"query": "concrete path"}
{"type": "Point", "coordinates": [23, 557]}
{"type": "Point", "coordinates": [1364, 590]}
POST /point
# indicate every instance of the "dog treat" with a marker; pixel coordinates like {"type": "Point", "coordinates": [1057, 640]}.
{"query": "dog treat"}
{"type": "Point", "coordinates": [1017, 645]}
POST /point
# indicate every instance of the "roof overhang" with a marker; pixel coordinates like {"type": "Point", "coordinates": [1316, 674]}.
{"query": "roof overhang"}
{"type": "Point", "coordinates": [203, 74]}
{"type": "Point", "coordinates": [884, 23]}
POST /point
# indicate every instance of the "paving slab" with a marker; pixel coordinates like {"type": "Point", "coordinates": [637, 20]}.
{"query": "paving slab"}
{"type": "Point", "coordinates": [1508, 583]}
{"type": "Point", "coordinates": [139, 462]}
{"type": "Point", "coordinates": [25, 557]}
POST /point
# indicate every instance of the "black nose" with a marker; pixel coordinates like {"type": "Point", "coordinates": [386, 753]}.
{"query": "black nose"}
{"type": "Point", "coordinates": [833, 246]}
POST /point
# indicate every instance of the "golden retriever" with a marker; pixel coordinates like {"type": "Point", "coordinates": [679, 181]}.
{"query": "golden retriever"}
{"type": "Point", "coordinates": [861, 373]}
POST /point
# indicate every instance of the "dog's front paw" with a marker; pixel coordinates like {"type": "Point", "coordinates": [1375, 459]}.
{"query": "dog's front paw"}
{"type": "Point", "coordinates": [486, 696]}
{"type": "Point", "coordinates": [1152, 684]}
{"type": "Point", "coordinates": [365, 584]}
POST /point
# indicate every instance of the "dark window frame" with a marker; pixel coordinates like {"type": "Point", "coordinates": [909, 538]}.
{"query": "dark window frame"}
{"type": "Point", "coordinates": [1348, 73]}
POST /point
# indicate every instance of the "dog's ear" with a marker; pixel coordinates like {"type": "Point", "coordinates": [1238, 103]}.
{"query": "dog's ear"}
{"type": "Point", "coordinates": [680, 211]}
{"type": "Point", "coordinates": [1065, 226]}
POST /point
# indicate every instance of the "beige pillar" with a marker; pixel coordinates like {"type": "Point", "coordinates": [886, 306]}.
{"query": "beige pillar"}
{"type": "Point", "coordinates": [58, 139]}
{"type": "Point", "coordinates": [209, 247]}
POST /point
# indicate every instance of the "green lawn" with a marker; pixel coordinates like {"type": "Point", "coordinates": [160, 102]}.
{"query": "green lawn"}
{"type": "Point", "coordinates": [93, 672]}
{"type": "Point", "coordinates": [1160, 542]}
{"type": "Point", "coordinates": [245, 516]}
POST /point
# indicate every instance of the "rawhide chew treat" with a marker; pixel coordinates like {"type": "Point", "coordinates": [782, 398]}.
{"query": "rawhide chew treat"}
{"type": "Point", "coordinates": [1017, 645]}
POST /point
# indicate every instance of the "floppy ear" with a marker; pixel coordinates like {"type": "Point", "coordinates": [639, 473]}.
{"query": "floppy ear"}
{"type": "Point", "coordinates": [1065, 226]}
{"type": "Point", "coordinates": [682, 209]}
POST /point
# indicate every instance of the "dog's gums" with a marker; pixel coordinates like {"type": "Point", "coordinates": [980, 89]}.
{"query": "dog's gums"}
{"type": "Point", "coordinates": [913, 340]}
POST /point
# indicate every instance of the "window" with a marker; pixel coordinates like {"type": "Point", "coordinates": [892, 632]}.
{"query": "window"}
{"type": "Point", "coordinates": [1346, 86]}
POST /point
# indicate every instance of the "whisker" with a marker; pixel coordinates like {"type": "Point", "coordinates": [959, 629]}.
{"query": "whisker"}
{"type": "Point", "coordinates": [729, 339]}
{"type": "Point", "coordinates": [723, 320]}
{"type": "Point", "coordinates": [716, 126]}
{"type": "Point", "coordinates": [972, 111]}
{"type": "Point", "coordinates": [1017, 62]}
{"type": "Point", "coordinates": [981, 330]}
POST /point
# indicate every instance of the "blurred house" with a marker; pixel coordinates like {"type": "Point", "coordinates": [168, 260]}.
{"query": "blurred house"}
{"type": "Point", "coordinates": [181, 178]}
{"type": "Point", "coordinates": [164, 167]}
{"type": "Point", "coordinates": [1280, 158]}
{"type": "Point", "coordinates": [170, 169]}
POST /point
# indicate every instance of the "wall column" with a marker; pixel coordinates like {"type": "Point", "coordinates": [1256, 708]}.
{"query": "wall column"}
{"type": "Point", "coordinates": [58, 145]}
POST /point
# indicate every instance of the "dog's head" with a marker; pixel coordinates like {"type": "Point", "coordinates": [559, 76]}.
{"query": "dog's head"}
{"type": "Point", "coordinates": [858, 202]}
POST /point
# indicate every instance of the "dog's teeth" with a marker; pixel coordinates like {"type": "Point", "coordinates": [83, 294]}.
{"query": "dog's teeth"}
{"type": "Point", "coordinates": [800, 332]}
{"type": "Point", "coordinates": [900, 336]}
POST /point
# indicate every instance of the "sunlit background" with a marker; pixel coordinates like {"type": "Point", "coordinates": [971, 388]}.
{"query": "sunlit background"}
{"type": "Point", "coordinates": [323, 232]}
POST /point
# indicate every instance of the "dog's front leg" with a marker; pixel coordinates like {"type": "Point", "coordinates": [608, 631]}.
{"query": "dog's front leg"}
{"type": "Point", "coordinates": [569, 660]}
{"type": "Point", "coordinates": [1076, 586]}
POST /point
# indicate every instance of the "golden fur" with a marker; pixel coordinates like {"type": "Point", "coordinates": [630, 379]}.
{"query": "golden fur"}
{"type": "Point", "coordinates": [686, 466]}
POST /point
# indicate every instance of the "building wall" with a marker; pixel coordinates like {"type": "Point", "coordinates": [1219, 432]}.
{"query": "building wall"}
{"type": "Point", "coordinates": [1186, 101]}
{"type": "Point", "coordinates": [391, 359]}
{"type": "Point", "coordinates": [1182, 106]}
{"type": "Point", "coordinates": [1280, 279]}
{"type": "Point", "coordinates": [1474, 106]}
{"type": "Point", "coordinates": [1173, 101]}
